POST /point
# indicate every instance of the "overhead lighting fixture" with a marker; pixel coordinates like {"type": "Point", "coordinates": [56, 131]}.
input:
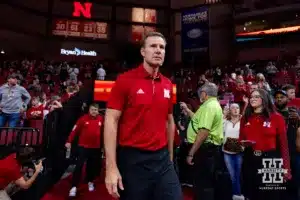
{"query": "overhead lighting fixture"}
{"type": "Point", "coordinates": [2, 52]}
{"type": "Point", "coordinates": [272, 31]}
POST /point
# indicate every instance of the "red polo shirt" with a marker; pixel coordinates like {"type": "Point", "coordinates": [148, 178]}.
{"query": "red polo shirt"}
{"type": "Point", "coordinates": [10, 170]}
{"type": "Point", "coordinates": [266, 132]}
{"type": "Point", "coordinates": [88, 129]}
{"type": "Point", "coordinates": [145, 103]}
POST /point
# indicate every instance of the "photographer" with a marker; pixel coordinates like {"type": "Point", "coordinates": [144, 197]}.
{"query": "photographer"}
{"type": "Point", "coordinates": [11, 171]}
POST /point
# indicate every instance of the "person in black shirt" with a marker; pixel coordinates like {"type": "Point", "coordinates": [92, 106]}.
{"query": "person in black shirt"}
{"type": "Point", "coordinates": [291, 116]}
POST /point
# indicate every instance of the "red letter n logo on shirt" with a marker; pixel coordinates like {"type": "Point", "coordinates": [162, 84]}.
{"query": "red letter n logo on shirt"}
{"type": "Point", "coordinates": [82, 9]}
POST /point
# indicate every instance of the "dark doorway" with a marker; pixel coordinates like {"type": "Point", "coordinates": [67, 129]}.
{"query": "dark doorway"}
{"type": "Point", "coordinates": [130, 53]}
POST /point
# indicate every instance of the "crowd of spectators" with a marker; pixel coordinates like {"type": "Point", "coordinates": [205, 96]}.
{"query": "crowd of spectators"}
{"type": "Point", "coordinates": [31, 89]}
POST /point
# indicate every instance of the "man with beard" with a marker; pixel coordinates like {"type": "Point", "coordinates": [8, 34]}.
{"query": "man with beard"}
{"type": "Point", "coordinates": [291, 116]}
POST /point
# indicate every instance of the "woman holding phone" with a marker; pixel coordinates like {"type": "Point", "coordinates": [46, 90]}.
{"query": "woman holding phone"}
{"type": "Point", "coordinates": [232, 149]}
{"type": "Point", "coordinates": [263, 133]}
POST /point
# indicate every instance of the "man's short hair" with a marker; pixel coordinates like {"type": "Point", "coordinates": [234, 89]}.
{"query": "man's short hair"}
{"type": "Point", "coordinates": [210, 89]}
{"type": "Point", "coordinates": [24, 155]}
{"type": "Point", "coordinates": [152, 34]}
{"type": "Point", "coordinates": [288, 87]}
{"type": "Point", "coordinates": [94, 105]}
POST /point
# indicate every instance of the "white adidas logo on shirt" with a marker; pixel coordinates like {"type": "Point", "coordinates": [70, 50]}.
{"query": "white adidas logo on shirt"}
{"type": "Point", "coordinates": [140, 91]}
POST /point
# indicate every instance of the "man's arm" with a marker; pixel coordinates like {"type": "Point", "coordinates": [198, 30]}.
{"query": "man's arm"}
{"type": "Point", "coordinates": [205, 118]}
{"type": "Point", "coordinates": [186, 109]}
{"type": "Point", "coordinates": [112, 117]}
{"type": "Point", "coordinates": [189, 112]}
{"type": "Point", "coordinates": [26, 96]}
{"type": "Point", "coordinates": [201, 137]}
{"type": "Point", "coordinates": [171, 132]}
{"type": "Point", "coordinates": [25, 184]}
{"type": "Point", "coordinates": [22, 183]}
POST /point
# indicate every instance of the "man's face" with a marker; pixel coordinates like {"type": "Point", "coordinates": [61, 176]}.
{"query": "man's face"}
{"type": "Point", "coordinates": [35, 102]}
{"type": "Point", "coordinates": [154, 51]}
{"type": "Point", "coordinates": [93, 111]}
{"type": "Point", "coordinates": [281, 101]}
{"type": "Point", "coordinates": [12, 81]}
{"type": "Point", "coordinates": [253, 87]}
{"type": "Point", "coordinates": [291, 94]}
{"type": "Point", "coordinates": [202, 96]}
{"type": "Point", "coordinates": [233, 76]}
{"type": "Point", "coordinates": [240, 79]}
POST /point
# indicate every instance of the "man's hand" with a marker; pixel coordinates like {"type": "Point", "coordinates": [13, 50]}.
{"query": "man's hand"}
{"type": "Point", "coordinates": [226, 111]}
{"type": "Point", "coordinates": [245, 99]}
{"type": "Point", "coordinates": [38, 167]}
{"type": "Point", "coordinates": [171, 156]}
{"type": "Point", "coordinates": [189, 160]}
{"type": "Point", "coordinates": [293, 115]}
{"type": "Point", "coordinates": [183, 106]}
{"type": "Point", "coordinates": [181, 128]}
{"type": "Point", "coordinates": [68, 145]}
{"type": "Point", "coordinates": [22, 110]}
{"type": "Point", "coordinates": [113, 181]}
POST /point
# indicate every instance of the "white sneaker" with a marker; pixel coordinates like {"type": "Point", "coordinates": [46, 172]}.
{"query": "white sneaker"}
{"type": "Point", "coordinates": [73, 192]}
{"type": "Point", "coordinates": [238, 197]}
{"type": "Point", "coordinates": [91, 186]}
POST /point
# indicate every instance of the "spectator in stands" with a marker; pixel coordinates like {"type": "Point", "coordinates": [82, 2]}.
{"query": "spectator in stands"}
{"type": "Point", "coordinates": [263, 131]}
{"type": "Point", "coordinates": [291, 94]}
{"type": "Point", "coordinates": [89, 130]}
{"type": "Point", "coordinates": [239, 90]}
{"type": "Point", "coordinates": [73, 73]}
{"type": "Point", "coordinates": [252, 87]}
{"type": "Point", "coordinates": [291, 116]}
{"type": "Point", "coordinates": [101, 73]}
{"type": "Point", "coordinates": [70, 91]}
{"type": "Point", "coordinates": [43, 99]}
{"type": "Point", "coordinates": [205, 133]}
{"type": "Point", "coordinates": [35, 86]}
{"type": "Point", "coordinates": [14, 101]}
{"type": "Point", "coordinates": [10, 171]}
{"type": "Point", "coordinates": [64, 71]}
{"type": "Point", "coordinates": [55, 103]}
{"type": "Point", "coordinates": [262, 83]}
{"type": "Point", "coordinates": [232, 149]}
{"type": "Point", "coordinates": [290, 91]}
{"type": "Point", "coordinates": [37, 110]}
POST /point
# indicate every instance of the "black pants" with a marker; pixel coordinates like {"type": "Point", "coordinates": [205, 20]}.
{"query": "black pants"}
{"type": "Point", "coordinates": [92, 157]}
{"type": "Point", "coordinates": [292, 187]}
{"type": "Point", "coordinates": [185, 170]}
{"type": "Point", "coordinates": [253, 183]}
{"type": "Point", "coordinates": [206, 163]}
{"type": "Point", "coordinates": [148, 175]}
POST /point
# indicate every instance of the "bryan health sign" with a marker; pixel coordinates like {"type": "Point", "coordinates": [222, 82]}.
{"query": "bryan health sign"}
{"type": "Point", "coordinates": [195, 30]}
{"type": "Point", "coordinates": [77, 52]}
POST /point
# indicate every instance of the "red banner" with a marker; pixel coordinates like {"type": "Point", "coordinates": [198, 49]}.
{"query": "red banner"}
{"type": "Point", "coordinates": [102, 90]}
{"type": "Point", "coordinates": [75, 28]}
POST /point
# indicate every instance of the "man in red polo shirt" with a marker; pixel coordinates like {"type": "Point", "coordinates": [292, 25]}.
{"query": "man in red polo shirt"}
{"type": "Point", "coordinates": [139, 107]}
{"type": "Point", "coordinates": [88, 130]}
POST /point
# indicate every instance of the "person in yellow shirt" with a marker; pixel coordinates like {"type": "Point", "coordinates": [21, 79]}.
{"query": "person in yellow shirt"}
{"type": "Point", "coordinates": [205, 133]}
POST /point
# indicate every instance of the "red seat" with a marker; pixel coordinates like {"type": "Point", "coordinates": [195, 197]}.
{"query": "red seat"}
{"type": "Point", "coordinates": [7, 136]}
{"type": "Point", "coordinates": [33, 137]}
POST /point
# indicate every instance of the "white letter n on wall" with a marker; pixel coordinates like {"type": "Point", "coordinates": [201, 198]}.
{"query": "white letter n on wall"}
{"type": "Point", "coordinates": [82, 9]}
